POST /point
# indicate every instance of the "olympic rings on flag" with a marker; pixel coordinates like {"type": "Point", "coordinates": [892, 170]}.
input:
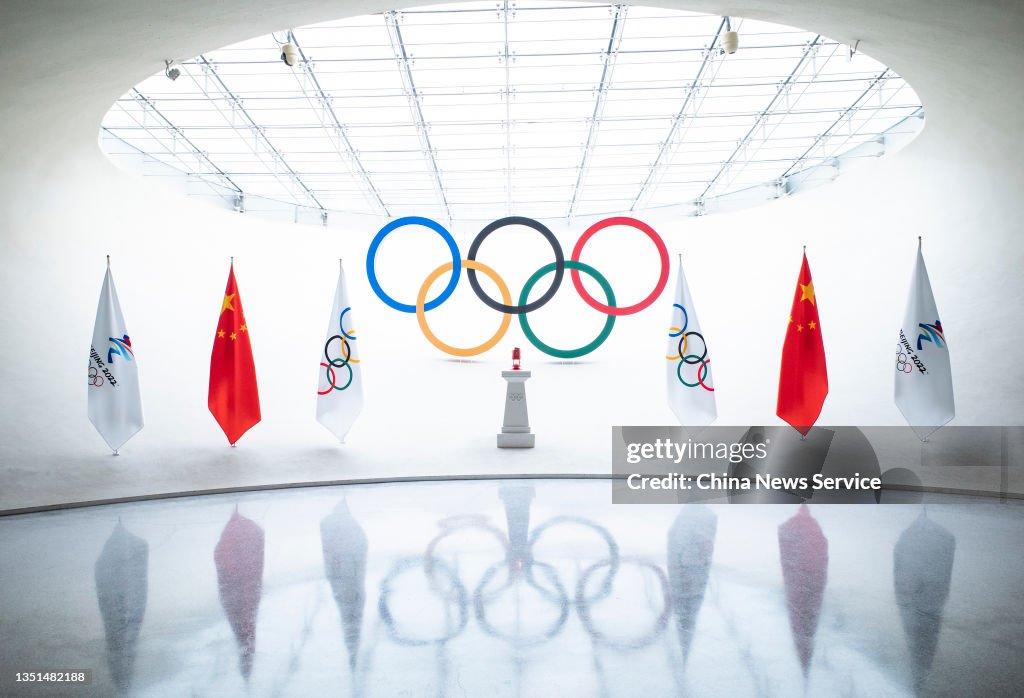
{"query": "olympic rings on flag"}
{"type": "Point", "coordinates": [524, 306]}
{"type": "Point", "coordinates": [609, 323]}
{"type": "Point", "coordinates": [95, 379]}
{"type": "Point", "coordinates": [686, 358]}
{"type": "Point", "coordinates": [345, 361]}
{"type": "Point", "coordinates": [421, 309]}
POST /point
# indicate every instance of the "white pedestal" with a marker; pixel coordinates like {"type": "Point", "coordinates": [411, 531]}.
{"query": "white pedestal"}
{"type": "Point", "coordinates": [515, 431]}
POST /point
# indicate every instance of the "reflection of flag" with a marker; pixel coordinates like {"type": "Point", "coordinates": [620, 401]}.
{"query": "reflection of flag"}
{"type": "Point", "coordinates": [803, 379]}
{"type": "Point", "coordinates": [115, 406]}
{"type": "Point", "coordinates": [234, 399]}
{"type": "Point", "coordinates": [924, 381]}
{"type": "Point", "coordinates": [239, 560]}
{"type": "Point", "coordinates": [691, 391]}
{"type": "Point", "coordinates": [340, 388]}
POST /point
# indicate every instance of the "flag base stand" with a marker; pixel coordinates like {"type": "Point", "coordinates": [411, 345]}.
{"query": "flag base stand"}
{"type": "Point", "coordinates": [515, 429]}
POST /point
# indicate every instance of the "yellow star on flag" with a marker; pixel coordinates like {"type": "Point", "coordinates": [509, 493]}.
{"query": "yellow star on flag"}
{"type": "Point", "coordinates": [220, 334]}
{"type": "Point", "coordinates": [243, 328]}
{"type": "Point", "coordinates": [226, 305]}
{"type": "Point", "coordinates": [807, 292]}
{"type": "Point", "coordinates": [234, 336]}
{"type": "Point", "coordinates": [812, 324]}
{"type": "Point", "coordinates": [799, 328]}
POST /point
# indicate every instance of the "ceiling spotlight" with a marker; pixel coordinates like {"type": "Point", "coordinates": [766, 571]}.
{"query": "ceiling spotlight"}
{"type": "Point", "coordinates": [289, 54]}
{"type": "Point", "coordinates": [172, 73]}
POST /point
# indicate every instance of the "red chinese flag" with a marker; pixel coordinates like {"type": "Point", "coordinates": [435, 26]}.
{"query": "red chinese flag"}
{"type": "Point", "coordinates": [234, 399]}
{"type": "Point", "coordinates": [803, 380]}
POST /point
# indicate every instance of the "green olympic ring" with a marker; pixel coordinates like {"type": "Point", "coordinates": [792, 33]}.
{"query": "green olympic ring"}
{"type": "Point", "coordinates": [567, 353]}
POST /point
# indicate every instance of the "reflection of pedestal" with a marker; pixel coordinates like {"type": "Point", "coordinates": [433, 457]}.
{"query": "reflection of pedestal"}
{"type": "Point", "coordinates": [515, 431]}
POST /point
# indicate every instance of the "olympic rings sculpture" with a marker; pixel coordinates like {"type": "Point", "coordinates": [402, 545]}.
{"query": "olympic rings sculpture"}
{"type": "Point", "coordinates": [524, 306]}
{"type": "Point", "coordinates": [685, 353]}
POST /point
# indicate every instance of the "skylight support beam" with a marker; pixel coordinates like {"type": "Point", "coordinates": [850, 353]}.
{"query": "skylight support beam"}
{"type": "Point", "coordinates": [614, 41]}
{"type": "Point", "coordinates": [784, 86]}
{"type": "Point", "coordinates": [709, 56]}
{"type": "Point", "coordinates": [827, 133]}
{"type": "Point", "coordinates": [178, 133]}
{"type": "Point", "coordinates": [258, 130]}
{"type": "Point", "coordinates": [508, 113]}
{"type": "Point", "coordinates": [328, 108]}
{"type": "Point", "coordinates": [405, 65]}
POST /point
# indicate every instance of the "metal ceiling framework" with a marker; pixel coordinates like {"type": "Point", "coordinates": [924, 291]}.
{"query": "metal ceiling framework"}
{"type": "Point", "coordinates": [550, 110]}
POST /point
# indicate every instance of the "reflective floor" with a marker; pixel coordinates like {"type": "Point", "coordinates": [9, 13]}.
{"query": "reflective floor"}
{"type": "Point", "coordinates": [513, 588]}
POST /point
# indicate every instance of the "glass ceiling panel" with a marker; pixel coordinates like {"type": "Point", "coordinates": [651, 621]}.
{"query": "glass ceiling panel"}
{"type": "Point", "coordinates": [487, 108]}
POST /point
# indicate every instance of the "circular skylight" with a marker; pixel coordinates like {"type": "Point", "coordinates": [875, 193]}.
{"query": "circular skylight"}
{"type": "Point", "coordinates": [471, 110]}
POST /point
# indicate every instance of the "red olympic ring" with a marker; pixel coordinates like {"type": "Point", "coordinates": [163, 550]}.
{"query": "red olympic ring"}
{"type": "Point", "coordinates": [632, 223]}
{"type": "Point", "coordinates": [330, 376]}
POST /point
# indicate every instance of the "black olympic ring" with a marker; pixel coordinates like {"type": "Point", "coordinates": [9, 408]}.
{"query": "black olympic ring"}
{"type": "Point", "coordinates": [583, 607]}
{"type": "Point", "coordinates": [689, 353]}
{"type": "Point", "coordinates": [385, 610]}
{"type": "Point", "coordinates": [555, 282]}
{"type": "Point", "coordinates": [337, 363]}
{"type": "Point", "coordinates": [613, 549]}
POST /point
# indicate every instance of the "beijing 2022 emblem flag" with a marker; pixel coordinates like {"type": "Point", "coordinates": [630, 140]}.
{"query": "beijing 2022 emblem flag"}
{"type": "Point", "coordinates": [115, 404]}
{"type": "Point", "coordinates": [924, 381]}
{"type": "Point", "coordinates": [340, 387]}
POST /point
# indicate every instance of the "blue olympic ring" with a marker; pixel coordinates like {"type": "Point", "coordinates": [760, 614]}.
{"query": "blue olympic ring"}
{"type": "Point", "coordinates": [686, 321]}
{"type": "Point", "coordinates": [371, 255]}
{"type": "Point", "coordinates": [341, 324]}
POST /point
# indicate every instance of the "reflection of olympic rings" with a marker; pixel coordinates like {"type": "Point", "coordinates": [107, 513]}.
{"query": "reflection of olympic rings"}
{"type": "Point", "coordinates": [95, 379]}
{"type": "Point", "coordinates": [613, 547]}
{"type": "Point", "coordinates": [583, 607]}
{"type": "Point", "coordinates": [560, 597]}
{"type": "Point", "coordinates": [461, 600]}
{"type": "Point", "coordinates": [524, 305]}
{"type": "Point", "coordinates": [520, 567]}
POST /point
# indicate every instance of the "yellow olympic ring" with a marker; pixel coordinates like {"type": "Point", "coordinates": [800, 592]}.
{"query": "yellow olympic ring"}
{"type": "Point", "coordinates": [353, 333]}
{"type": "Point", "coordinates": [686, 342]}
{"type": "Point", "coordinates": [421, 315]}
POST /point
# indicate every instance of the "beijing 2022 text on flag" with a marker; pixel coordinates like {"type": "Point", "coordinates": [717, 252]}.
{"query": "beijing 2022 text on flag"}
{"type": "Point", "coordinates": [340, 388]}
{"type": "Point", "coordinates": [803, 377]}
{"type": "Point", "coordinates": [924, 381]}
{"type": "Point", "coordinates": [115, 404]}
{"type": "Point", "coordinates": [691, 391]}
{"type": "Point", "coordinates": [234, 399]}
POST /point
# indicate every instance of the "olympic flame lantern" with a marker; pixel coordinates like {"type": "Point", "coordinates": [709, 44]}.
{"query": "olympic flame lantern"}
{"type": "Point", "coordinates": [516, 356]}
